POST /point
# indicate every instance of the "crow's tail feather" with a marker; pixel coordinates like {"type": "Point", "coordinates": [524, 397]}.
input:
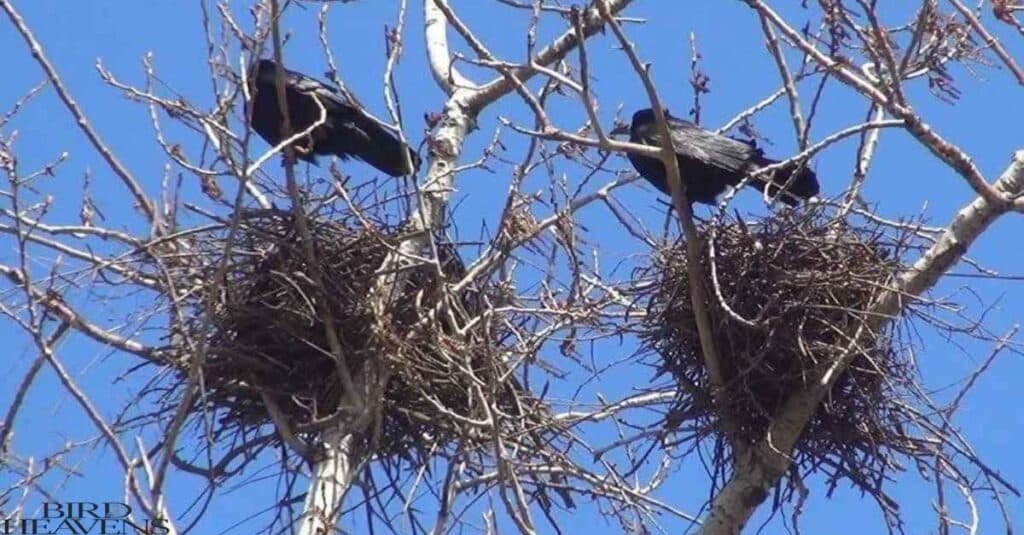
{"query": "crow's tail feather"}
{"type": "Point", "coordinates": [376, 146]}
{"type": "Point", "coordinates": [803, 185]}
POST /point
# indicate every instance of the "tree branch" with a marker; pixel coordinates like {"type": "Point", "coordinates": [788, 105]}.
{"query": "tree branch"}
{"type": "Point", "coordinates": [147, 205]}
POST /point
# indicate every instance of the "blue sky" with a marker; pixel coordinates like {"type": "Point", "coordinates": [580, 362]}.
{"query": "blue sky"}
{"type": "Point", "coordinates": [904, 181]}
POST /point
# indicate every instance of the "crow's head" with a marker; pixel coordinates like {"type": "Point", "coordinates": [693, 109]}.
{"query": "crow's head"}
{"type": "Point", "coordinates": [645, 116]}
{"type": "Point", "coordinates": [641, 118]}
{"type": "Point", "coordinates": [264, 72]}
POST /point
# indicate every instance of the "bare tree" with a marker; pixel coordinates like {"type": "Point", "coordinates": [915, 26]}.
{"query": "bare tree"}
{"type": "Point", "coordinates": [346, 333]}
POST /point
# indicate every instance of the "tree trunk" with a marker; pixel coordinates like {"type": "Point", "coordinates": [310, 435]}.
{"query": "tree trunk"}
{"type": "Point", "coordinates": [331, 479]}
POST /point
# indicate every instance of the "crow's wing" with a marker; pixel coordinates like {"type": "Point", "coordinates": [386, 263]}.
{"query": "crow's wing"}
{"type": "Point", "coordinates": [694, 143]}
{"type": "Point", "coordinates": [329, 95]}
{"type": "Point", "coordinates": [351, 131]}
{"type": "Point", "coordinates": [349, 114]}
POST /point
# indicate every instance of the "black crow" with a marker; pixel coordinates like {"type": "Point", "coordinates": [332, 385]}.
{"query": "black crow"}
{"type": "Point", "coordinates": [709, 162]}
{"type": "Point", "coordinates": [347, 132]}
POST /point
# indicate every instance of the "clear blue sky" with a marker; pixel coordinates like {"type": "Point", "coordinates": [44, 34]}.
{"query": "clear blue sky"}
{"type": "Point", "coordinates": [904, 179]}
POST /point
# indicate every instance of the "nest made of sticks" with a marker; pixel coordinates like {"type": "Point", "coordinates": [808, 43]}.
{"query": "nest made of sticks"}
{"type": "Point", "coordinates": [268, 349]}
{"type": "Point", "coordinates": [784, 295]}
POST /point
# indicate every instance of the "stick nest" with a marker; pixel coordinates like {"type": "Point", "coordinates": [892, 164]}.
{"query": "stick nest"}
{"type": "Point", "coordinates": [791, 289]}
{"type": "Point", "coordinates": [268, 351]}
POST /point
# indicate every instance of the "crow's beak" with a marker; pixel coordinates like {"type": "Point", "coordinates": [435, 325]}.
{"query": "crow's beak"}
{"type": "Point", "coordinates": [621, 129]}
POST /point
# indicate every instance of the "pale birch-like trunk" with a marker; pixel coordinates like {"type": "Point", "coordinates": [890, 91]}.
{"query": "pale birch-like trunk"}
{"type": "Point", "coordinates": [331, 479]}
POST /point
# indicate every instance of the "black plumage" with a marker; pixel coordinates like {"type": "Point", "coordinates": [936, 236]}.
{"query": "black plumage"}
{"type": "Point", "coordinates": [347, 132]}
{"type": "Point", "coordinates": [709, 163]}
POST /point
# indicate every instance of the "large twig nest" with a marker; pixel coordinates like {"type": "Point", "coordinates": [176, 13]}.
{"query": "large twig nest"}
{"type": "Point", "coordinates": [786, 294]}
{"type": "Point", "coordinates": [268, 354]}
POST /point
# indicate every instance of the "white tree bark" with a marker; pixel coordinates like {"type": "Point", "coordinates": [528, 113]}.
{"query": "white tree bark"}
{"type": "Point", "coordinates": [759, 469]}
{"type": "Point", "coordinates": [330, 481]}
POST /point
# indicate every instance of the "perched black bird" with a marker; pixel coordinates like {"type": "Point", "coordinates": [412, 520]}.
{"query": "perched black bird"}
{"type": "Point", "coordinates": [709, 162]}
{"type": "Point", "coordinates": [347, 132]}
